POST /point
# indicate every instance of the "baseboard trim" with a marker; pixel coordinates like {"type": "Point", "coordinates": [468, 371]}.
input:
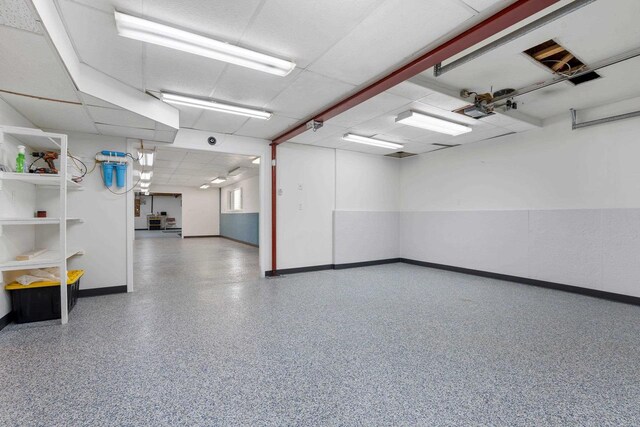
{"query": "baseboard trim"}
{"type": "Point", "coordinates": [331, 267]}
{"type": "Point", "coordinates": [531, 282]}
{"type": "Point", "coordinates": [239, 241]}
{"type": "Point", "coordinates": [96, 292]}
{"type": "Point", "coordinates": [299, 270]}
{"type": "Point", "coordinates": [366, 263]}
{"type": "Point", "coordinates": [5, 320]}
{"type": "Point", "coordinates": [199, 237]}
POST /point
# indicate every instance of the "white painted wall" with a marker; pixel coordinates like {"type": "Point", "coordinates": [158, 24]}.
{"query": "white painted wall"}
{"type": "Point", "coordinates": [250, 195]}
{"type": "Point", "coordinates": [200, 209]}
{"type": "Point", "coordinates": [169, 204]}
{"type": "Point", "coordinates": [14, 240]}
{"type": "Point", "coordinates": [551, 204]}
{"type": "Point", "coordinates": [366, 182]}
{"type": "Point", "coordinates": [103, 235]}
{"type": "Point", "coordinates": [306, 200]}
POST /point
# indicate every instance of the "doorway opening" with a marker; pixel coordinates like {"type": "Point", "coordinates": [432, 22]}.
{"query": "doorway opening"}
{"type": "Point", "coordinates": [196, 215]}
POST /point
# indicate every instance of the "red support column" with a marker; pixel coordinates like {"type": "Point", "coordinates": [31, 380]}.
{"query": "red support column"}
{"type": "Point", "coordinates": [274, 218]}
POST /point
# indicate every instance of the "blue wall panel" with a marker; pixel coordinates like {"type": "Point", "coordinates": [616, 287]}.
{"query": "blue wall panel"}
{"type": "Point", "coordinates": [240, 226]}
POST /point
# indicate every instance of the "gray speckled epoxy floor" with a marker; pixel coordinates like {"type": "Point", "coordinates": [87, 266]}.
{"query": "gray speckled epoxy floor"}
{"type": "Point", "coordinates": [203, 342]}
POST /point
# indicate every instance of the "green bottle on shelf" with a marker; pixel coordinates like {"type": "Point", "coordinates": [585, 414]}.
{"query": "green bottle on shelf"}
{"type": "Point", "coordinates": [20, 159]}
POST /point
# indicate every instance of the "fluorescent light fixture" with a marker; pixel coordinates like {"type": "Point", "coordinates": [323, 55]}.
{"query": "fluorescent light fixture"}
{"type": "Point", "coordinates": [205, 186]}
{"type": "Point", "coordinates": [256, 161]}
{"type": "Point", "coordinates": [146, 158]}
{"type": "Point", "coordinates": [152, 32]}
{"type": "Point", "coordinates": [218, 180]}
{"type": "Point", "coordinates": [146, 176]}
{"type": "Point", "coordinates": [188, 101]}
{"type": "Point", "coordinates": [412, 118]}
{"type": "Point", "coordinates": [146, 193]}
{"type": "Point", "coordinates": [145, 184]}
{"type": "Point", "coordinates": [370, 141]}
{"type": "Point", "coordinates": [235, 172]}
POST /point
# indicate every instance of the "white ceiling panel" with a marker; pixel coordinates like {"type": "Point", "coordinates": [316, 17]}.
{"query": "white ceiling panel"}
{"type": "Point", "coordinates": [16, 14]}
{"type": "Point", "coordinates": [131, 6]}
{"type": "Point", "coordinates": [266, 128]}
{"type": "Point", "coordinates": [444, 101]}
{"type": "Point", "coordinates": [394, 32]}
{"type": "Point", "coordinates": [303, 30]}
{"type": "Point", "coordinates": [172, 155]}
{"type": "Point", "coordinates": [174, 71]}
{"type": "Point", "coordinates": [481, 5]}
{"type": "Point", "coordinates": [220, 122]}
{"type": "Point", "coordinates": [223, 20]}
{"type": "Point", "coordinates": [124, 131]}
{"type": "Point", "coordinates": [309, 93]}
{"type": "Point", "coordinates": [166, 164]}
{"type": "Point", "coordinates": [370, 109]}
{"type": "Point", "coordinates": [28, 65]}
{"type": "Point", "coordinates": [245, 86]}
{"type": "Point", "coordinates": [52, 115]}
{"type": "Point", "coordinates": [97, 43]}
{"type": "Point", "coordinates": [120, 117]}
{"type": "Point", "coordinates": [410, 90]}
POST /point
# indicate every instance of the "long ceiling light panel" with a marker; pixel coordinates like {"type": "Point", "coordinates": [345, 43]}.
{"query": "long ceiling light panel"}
{"type": "Point", "coordinates": [370, 141]}
{"type": "Point", "coordinates": [188, 101]}
{"type": "Point", "coordinates": [152, 32]}
{"type": "Point", "coordinates": [412, 118]}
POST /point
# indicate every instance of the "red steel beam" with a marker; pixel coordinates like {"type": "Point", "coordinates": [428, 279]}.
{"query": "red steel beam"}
{"type": "Point", "coordinates": [502, 20]}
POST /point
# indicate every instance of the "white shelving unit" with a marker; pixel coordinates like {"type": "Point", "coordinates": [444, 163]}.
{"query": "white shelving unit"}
{"type": "Point", "coordinates": [57, 253]}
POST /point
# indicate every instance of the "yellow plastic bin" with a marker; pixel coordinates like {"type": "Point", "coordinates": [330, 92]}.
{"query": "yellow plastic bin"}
{"type": "Point", "coordinates": [41, 300]}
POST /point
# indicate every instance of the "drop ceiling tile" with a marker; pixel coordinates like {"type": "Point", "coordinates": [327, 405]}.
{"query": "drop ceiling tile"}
{"type": "Point", "coordinates": [302, 30]}
{"type": "Point", "coordinates": [16, 14]}
{"type": "Point", "coordinates": [266, 129]}
{"type": "Point", "coordinates": [393, 33]}
{"type": "Point", "coordinates": [222, 20]}
{"type": "Point", "coordinates": [444, 101]}
{"type": "Point", "coordinates": [376, 125]}
{"type": "Point", "coordinates": [220, 122]}
{"type": "Point", "coordinates": [418, 148]}
{"type": "Point", "coordinates": [410, 91]}
{"type": "Point", "coordinates": [370, 109]}
{"type": "Point", "coordinates": [52, 115]}
{"type": "Point", "coordinates": [246, 87]}
{"type": "Point", "coordinates": [29, 66]}
{"type": "Point", "coordinates": [108, 6]}
{"type": "Point", "coordinates": [173, 155]}
{"type": "Point", "coordinates": [166, 164]}
{"type": "Point", "coordinates": [120, 117]}
{"type": "Point", "coordinates": [198, 157]}
{"type": "Point", "coordinates": [173, 71]}
{"type": "Point", "coordinates": [97, 43]}
{"type": "Point", "coordinates": [309, 93]}
{"type": "Point", "coordinates": [481, 5]}
{"type": "Point", "coordinates": [126, 132]}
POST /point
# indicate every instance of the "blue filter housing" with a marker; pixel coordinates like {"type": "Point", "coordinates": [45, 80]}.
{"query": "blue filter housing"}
{"type": "Point", "coordinates": [107, 173]}
{"type": "Point", "coordinates": [121, 174]}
